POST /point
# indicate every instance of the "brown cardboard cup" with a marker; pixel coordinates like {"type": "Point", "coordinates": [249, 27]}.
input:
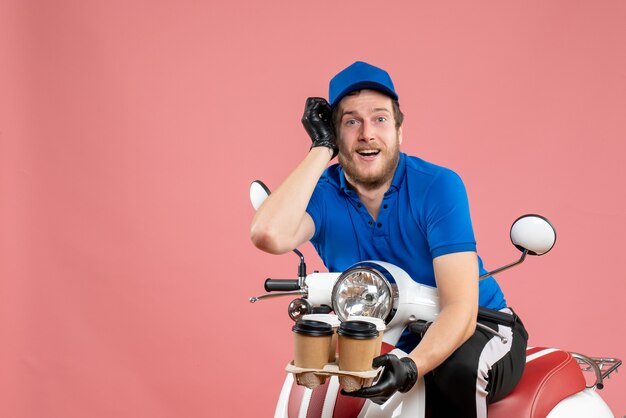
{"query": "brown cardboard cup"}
{"type": "Point", "coordinates": [380, 327]}
{"type": "Point", "coordinates": [333, 321]}
{"type": "Point", "coordinates": [357, 340]}
{"type": "Point", "coordinates": [311, 344]}
{"type": "Point", "coordinates": [357, 345]}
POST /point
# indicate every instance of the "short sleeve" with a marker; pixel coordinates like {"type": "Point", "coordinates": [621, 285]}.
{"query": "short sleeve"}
{"type": "Point", "coordinates": [447, 215]}
{"type": "Point", "coordinates": [315, 209]}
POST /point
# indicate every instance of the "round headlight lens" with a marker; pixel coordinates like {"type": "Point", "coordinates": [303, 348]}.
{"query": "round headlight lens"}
{"type": "Point", "coordinates": [362, 291]}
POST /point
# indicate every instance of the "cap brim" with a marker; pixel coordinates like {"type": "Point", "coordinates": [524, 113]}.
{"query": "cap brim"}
{"type": "Point", "coordinates": [360, 85]}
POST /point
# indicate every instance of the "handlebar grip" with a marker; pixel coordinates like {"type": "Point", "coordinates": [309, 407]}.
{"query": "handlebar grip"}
{"type": "Point", "coordinates": [498, 317]}
{"type": "Point", "coordinates": [419, 327]}
{"type": "Point", "coordinates": [277, 285]}
{"type": "Point", "coordinates": [323, 309]}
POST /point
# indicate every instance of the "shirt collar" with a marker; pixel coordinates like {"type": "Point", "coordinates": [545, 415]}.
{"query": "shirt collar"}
{"type": "Point", "coordinates": [398, 177]}
{"type": "Point", "coordinates": [343, 183]}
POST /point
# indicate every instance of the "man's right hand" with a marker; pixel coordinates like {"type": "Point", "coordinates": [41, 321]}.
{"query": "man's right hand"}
{"type": "Point", "coordinates": [317, 121]}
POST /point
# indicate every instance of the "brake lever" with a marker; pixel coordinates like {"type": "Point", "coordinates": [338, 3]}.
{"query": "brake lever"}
{"type": "Point", "coordinates": [253, 299]}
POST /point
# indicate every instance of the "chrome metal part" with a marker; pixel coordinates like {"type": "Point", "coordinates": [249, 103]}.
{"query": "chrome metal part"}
{"type": "Point", "coordinates": [298, 308]}
{"type": "Point", "coordinates": [277, 294]}
{"type": "Point", "coordinates": [602, 367]}
{"type": "Point", "coordinates": [301, 268]}
{"type": "Point", "coordinates": [501, 269]}
{"type": "Point", "coordinates": [491, 331]}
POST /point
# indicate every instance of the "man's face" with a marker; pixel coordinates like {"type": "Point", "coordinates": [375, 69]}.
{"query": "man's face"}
{"type": "Point", "coordinates": [368, 139]}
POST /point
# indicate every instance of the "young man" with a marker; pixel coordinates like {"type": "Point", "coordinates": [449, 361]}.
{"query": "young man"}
{"type": "Point", "coordinates": [381, 204]}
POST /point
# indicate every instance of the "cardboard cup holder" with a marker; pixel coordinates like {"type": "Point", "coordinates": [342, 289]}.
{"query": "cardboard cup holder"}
{"type": "Point", "coordinates": [316, 340]}
{"type": "Point", "coordinates": [350, 381]}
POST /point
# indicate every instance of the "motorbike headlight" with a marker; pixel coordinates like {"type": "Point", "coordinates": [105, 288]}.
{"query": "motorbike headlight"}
{"type": "Point", "coordinates": [364, 290]}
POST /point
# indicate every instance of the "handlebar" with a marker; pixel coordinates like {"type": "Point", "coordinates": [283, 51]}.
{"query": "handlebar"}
{"type": "Point", "coordinates": [420, 327]}
{"type": "Point", "coordinates": [498, 317]}
{"type": "Point", "coordinates": [281, 285]}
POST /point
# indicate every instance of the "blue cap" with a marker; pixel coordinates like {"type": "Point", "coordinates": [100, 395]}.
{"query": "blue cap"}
{"type": "Point", "coordinates": [360, 75]}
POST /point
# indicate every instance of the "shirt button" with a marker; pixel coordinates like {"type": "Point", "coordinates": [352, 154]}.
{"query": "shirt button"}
{"type": "Point", "coordinates": [369, 222]}
{"type": "Point", "coordinates": [379, 224]}
{"type": "Point", "coordinates": [359, 205]}
{"type": "Point", "coordinates": [385, 206]}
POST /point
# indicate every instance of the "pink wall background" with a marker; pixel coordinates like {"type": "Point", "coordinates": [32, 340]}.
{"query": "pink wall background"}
{"type": "Point", "coordinates": [130, 130]}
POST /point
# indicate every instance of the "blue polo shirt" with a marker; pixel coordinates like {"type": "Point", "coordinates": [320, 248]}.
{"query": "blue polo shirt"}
{"type": "Point", "coordinates": [423, 215]}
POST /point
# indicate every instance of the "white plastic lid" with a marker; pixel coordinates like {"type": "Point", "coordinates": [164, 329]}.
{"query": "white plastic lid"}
{"type": "Point", "coordinates": [380, 324]}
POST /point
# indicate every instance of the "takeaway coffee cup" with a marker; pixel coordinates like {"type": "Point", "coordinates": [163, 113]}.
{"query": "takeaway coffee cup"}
{"type": "Point", "coordinates": [380, 327]}
{"type": "Point", "coordinates": [357, 342]}
{"type": "Point", "coordinates": [311, 343]}
{"type": "Point", "coordinates": [334, 322]}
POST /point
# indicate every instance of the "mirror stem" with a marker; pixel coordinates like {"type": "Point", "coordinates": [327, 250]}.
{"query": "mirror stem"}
{"type": "Point", "coordinates": [301, 268]}
{"type": "Point", "coordinates": [501, 269]}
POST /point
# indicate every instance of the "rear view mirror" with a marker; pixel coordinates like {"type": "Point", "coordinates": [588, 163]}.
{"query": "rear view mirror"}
{"type": "Point", "coordinates": [533, 233]}
{"type": "Point", "coordinates": [258, 193]}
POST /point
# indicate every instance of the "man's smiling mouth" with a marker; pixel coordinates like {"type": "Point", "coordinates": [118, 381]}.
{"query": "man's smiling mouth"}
{"type": "Point", "coordinates": [368, 152]}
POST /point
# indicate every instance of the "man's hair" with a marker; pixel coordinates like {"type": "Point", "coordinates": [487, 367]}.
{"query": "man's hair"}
{"type": "Point", "coordinates": [398, 116]}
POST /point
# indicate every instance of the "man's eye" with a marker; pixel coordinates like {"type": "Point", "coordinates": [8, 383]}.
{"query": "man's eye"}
{"type": "Point", "coordinates": [351, 122]}
{"type": "Point", "coordinates": [381, 119]}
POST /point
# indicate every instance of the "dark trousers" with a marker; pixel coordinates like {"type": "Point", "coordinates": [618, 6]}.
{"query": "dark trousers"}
{"type": "Point", "coordinates": [481, 371]}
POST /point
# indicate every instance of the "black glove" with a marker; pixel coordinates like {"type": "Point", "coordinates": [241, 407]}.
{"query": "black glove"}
{"type": "Point", "coordinates": [317, 121]}
{"type": "Point", "coordinates": [399, 375]}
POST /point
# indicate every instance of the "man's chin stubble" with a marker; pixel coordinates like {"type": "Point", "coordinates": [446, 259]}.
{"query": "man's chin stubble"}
{"type": "Point", "coordinates": [368, 182]}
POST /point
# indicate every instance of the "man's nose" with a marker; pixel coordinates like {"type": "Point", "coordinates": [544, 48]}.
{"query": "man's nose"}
{"type": "Point", "coordinates": [366, 131]}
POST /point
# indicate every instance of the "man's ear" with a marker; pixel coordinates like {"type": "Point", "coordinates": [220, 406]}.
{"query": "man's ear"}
{"type": "Point", "coordinates": [400, 135]}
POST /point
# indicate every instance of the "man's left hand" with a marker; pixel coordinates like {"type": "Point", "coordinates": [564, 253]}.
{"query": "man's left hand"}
{"type": "Point", "coordinates": [399, 375]}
